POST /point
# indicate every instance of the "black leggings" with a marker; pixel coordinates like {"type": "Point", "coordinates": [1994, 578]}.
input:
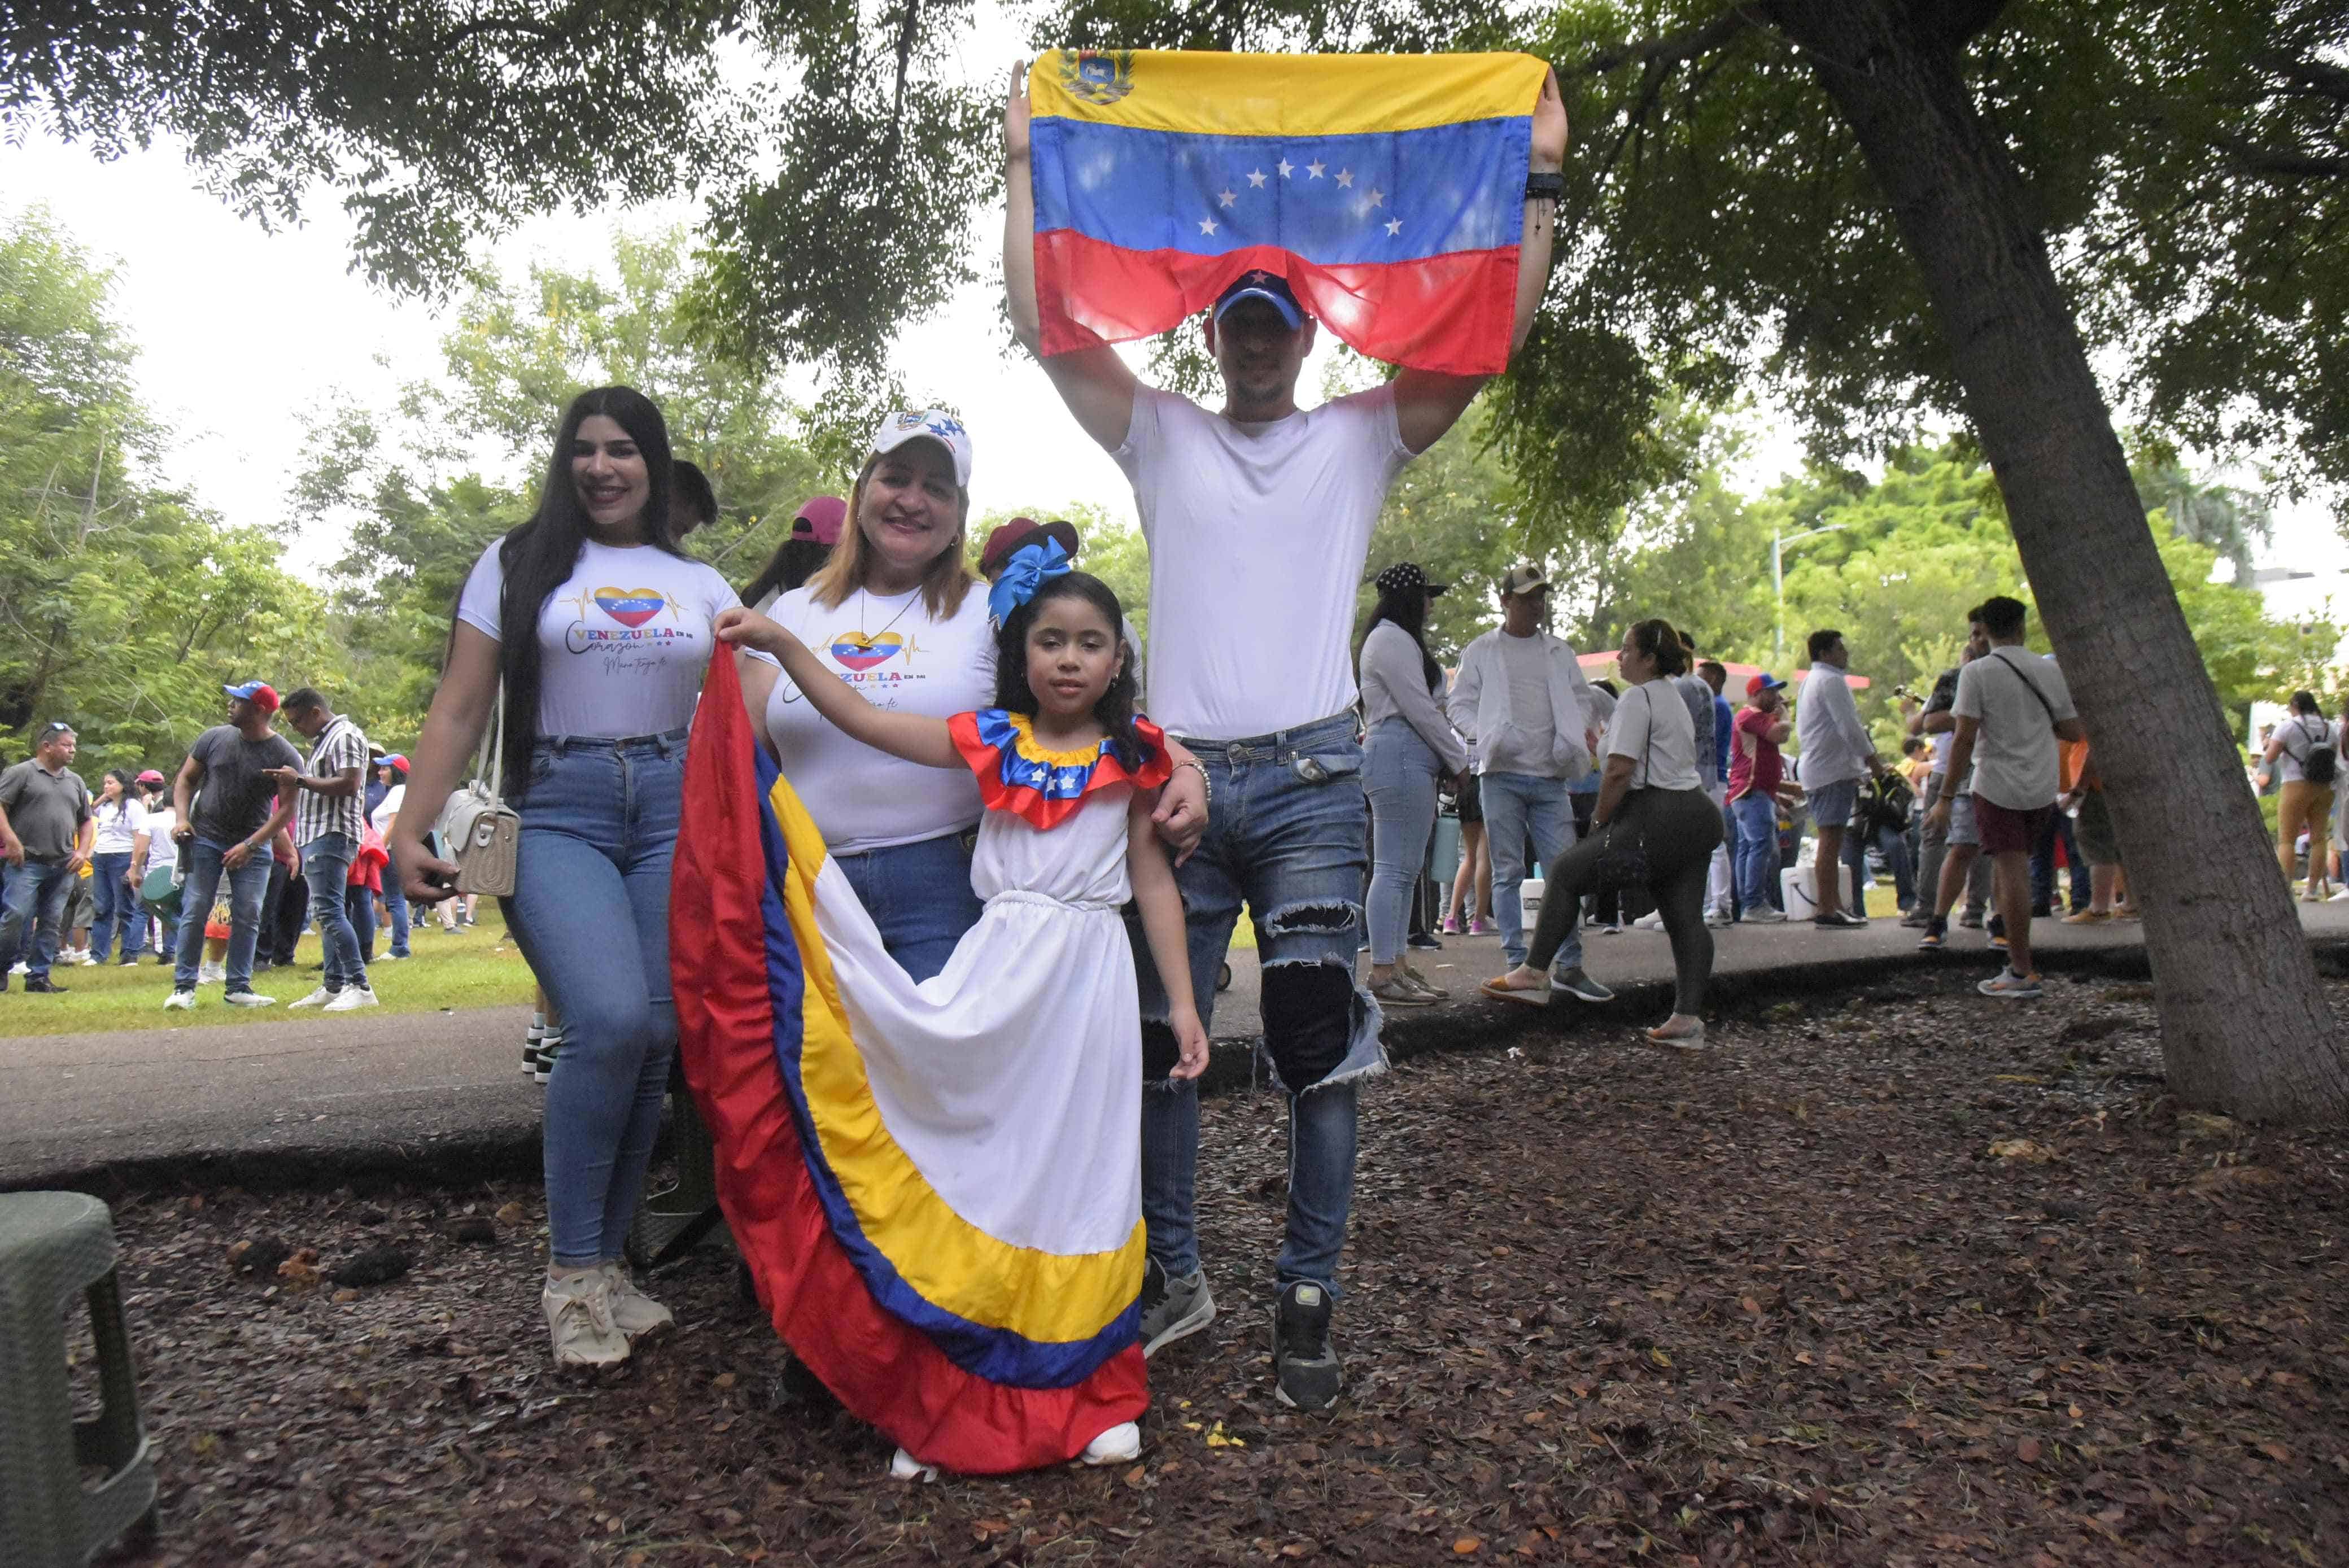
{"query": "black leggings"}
{"type": "Point", "coordinates": [1683, 827]}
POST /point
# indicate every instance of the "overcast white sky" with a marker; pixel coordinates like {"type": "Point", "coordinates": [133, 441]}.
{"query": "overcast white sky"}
{"type": "Point", "coordinates": [242, 331]}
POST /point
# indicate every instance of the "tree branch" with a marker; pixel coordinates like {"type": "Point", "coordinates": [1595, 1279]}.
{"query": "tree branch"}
{"type": "Point", "coordinates": [1951, 25]}
{"type": "Point", "coordinates": [1671, 49]}
{"type": "Point", "coordinates": [2281, 163]}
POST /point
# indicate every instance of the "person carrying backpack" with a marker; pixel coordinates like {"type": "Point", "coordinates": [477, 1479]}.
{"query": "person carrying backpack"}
{"type": "Point", "coordinates": [2304, 754]}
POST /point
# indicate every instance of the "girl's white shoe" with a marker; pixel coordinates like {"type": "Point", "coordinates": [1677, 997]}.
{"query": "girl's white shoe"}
{"type": "Point", "coordinates": [1120, 1444]}
{"type": "Point", "coordinates": [906, 1467]}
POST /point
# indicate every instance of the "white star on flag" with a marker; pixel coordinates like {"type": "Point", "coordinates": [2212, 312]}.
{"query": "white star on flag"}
{"type": "Point", "coordinates": [1207, 225]}
{"type": "Point", "coordinates": [1227, 198]}
{"type": "Point", "coordinates": [1378, 197]}
{"type": "Point", "coordinates": [1255, 179]}
{"type": "Point", "coordinates": [1346, 177]}
{"type": "Point", "coordinates": [1395, 227]}
{"type": "Point", "coordinates": [1286, 167]}
{"type": "Point", "coordinates": [1315, 168]}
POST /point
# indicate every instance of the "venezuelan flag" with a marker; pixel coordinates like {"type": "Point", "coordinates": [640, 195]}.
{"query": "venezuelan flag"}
{"type": "Point", "coordinates": [1388, 189]}
{"type": "Point", "coordinates": [972, 1351]}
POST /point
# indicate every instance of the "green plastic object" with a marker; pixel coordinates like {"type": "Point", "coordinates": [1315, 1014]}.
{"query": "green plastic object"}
{"type": "Point", "coordinates": [54, 1247]}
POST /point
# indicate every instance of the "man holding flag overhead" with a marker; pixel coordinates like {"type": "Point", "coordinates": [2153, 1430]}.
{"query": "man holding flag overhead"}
{"type": "Point", "coordinates": [1407, 204]}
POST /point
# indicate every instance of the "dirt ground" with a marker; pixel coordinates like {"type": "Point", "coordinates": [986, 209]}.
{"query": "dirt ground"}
{"type": "Point", "coordinates": [1897, 1278]}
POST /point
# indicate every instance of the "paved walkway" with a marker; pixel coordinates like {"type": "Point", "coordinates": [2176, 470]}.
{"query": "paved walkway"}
{"type": "Point", "coordinates": [434, 1091]}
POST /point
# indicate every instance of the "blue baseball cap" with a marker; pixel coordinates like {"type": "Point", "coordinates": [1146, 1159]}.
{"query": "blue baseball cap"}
{"type": "Point", "coordinates": [1270, 287]}
{"type": "Point", "coordinates": [261, 693]}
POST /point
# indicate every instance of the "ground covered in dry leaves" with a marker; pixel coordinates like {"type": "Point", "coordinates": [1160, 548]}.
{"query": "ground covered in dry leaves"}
{"type": "Point", "coordinates": [1901, 1276]}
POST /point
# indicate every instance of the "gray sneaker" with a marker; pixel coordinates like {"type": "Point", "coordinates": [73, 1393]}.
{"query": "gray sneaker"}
{"type": "Point", "coordinates": [1579, 986]}
{"type": "Point", "coordinates": [1173, 1306]}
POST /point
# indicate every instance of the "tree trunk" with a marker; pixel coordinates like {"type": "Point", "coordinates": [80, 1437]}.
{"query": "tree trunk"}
{"type": "Point", "coordinates": [2245, 1028]}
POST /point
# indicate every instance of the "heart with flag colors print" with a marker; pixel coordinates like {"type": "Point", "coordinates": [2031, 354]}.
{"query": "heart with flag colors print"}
{"type": "Point", "coordinates": [629, 606]}
{"type": "Point", "coordinates": [862, 651]}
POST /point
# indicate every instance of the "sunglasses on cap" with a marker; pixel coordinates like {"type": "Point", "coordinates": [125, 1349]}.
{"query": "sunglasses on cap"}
{"type": "Point", "coordinates": [56, 727]}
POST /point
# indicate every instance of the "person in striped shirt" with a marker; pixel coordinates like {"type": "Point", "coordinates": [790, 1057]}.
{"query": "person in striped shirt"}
{"type": "Point", "coordinates": [330, 813]}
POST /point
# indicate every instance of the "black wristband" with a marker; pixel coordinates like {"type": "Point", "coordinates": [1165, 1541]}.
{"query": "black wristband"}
{"type": "Point", "coordinates": [1544, 186]}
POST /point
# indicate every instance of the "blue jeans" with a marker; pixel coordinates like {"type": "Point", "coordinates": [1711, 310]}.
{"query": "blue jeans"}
{"type": "Point", "coordinates": [1293, 851]}
{"type": "Point", "coordinates": [920, 898]}
{"type": "Point", "coordinates": [248, 884]}
{"type": "Point", "coordinates": [117, 908]}
{"type": "Point", "coordinates": [1516, 804]}
{"type": "Point", "coordinates": [358, 904]}
{"type": "Point", "coordinates": [1757, 851]}
{"type": "Point", "coordinates": [590, 911]}
{"type": "Point", "coordinates": [1399, 773]}
{"type": "Point", "coordinates": [326, 867]}
{"type": "Point", "coordinates": [395, 904]}
{"type": "Point", "coordinates": [36, 897]}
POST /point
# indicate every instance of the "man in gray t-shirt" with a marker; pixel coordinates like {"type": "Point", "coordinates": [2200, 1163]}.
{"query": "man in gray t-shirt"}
{"type": "Point", "coordinates": [46, 829]}
{"type": "Point", "coordinates": [224, 797]}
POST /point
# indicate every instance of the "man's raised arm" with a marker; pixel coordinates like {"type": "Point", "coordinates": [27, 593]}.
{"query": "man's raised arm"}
{"type": "Point", "coordinates": [1094, 382]}
{"type": "Point", "coordinates": [1428, 402]}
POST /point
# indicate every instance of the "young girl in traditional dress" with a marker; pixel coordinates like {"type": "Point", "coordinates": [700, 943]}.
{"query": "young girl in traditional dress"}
{"type": "Point", "coordinates": [972, 1141]}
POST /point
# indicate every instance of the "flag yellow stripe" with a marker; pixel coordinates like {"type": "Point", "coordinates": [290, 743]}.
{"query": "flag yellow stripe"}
{"type": "Point", "coordinates": [1208, 94]}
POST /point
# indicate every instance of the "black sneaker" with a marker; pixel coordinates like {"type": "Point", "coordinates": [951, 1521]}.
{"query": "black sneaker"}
{"type": "Point", "coordinates": [1172, 1308]}
{"type": "Point", "coordinates": [1841, 920]}
{"type": "Point", "coordinates": [36, 983]}
{"type": "Point", "coordinates": [1305, 1369]}
{"type": "Point", "coordinates": [1936, 935]}
{"type": "Point", "coordinates": [1576, 984]}
{"type": "Point", "coordinates": [1423, 942]}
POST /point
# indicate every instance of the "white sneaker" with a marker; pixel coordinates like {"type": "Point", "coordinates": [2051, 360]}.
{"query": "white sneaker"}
{"type": "Point", "coordinates": [351, 998]}
{"type": "Point", "coordinates": [210, 974]}
{"type": "Point", "coordinates": [1650, 921]}
{"type": "Point", "coordinates": [579, 1320]}
{"type": "Point", "coordinates": [23, 968]}
{"type": "Point", "coordinates": [1120, 1444]}
{"type": "Point", "coordinates": [85, 959]}
{"type": "Point", "coordinates": [1766, 915]}
{"type": "Point", "coordinates": [903, 1466]}
{"type": "Point", "coordinates": [317, 998]}
{"type": "Point", "coordinates": [249, 999]}
{"type": "Point", "coordinates": [179, 1002]}
{"type": "Point", "coordinates": [634, 1312]}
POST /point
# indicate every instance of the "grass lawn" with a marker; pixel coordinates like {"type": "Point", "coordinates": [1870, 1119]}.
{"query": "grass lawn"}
{"type": "Point", "coordinates": [476, 968]}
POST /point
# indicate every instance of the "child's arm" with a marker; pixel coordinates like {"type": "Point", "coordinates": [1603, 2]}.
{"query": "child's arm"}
{"type": "Point", "coordinates": [1161, 902]}
{"type": "Point", "coordinates": [910, 735]}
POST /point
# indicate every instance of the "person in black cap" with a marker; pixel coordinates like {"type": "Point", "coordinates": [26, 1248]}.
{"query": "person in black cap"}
{"type": "Point", "coordinates": [1409, 747]}
{"type": "Point", "coordinates": [1258, 518]}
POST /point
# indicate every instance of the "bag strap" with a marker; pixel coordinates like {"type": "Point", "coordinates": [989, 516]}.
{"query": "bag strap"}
{"type": "Point", "coordinates": [2027, 681]}
{"type": "Point", "coordinates": [491, 770]}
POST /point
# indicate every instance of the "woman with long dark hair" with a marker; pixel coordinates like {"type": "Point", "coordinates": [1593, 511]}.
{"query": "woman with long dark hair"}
{"type": "Point", "coordinates": [1409, 750]}
{"type": "Point", "coordinates": [593, 633]}
{"type": "Point", "coordinates": [815, 529]}
{"type": "Point", "coordinates": [119, 815]}
{"type": "Point", "coordinates": [1654, 822]}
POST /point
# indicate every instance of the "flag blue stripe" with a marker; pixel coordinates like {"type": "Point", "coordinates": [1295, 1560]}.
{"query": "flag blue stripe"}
{"type": "Point", "coordinates": [1381, 196]}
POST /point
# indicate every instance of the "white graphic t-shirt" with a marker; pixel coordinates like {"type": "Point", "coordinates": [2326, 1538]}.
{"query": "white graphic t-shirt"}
{"type": "Point", "coordinates": [1256, 535]}
{"type": "Point", "coordinates": [623, 644]}
{"type": "Point", "coordinates": [897, 658]}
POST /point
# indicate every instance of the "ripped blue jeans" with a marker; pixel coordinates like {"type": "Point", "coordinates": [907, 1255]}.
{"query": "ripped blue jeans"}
{"type": "Point", "coordinates": [1294, 851]}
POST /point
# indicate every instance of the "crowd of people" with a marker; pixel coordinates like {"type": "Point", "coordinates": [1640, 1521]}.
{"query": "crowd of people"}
{"type": "Point", "coordinates": [1023, 889]}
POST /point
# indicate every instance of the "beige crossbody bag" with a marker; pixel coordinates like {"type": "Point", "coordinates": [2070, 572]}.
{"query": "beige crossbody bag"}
{"type": "Point", "coordinates": [478, 829]}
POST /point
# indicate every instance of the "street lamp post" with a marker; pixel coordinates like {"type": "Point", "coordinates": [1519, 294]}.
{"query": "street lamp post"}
{"type": "Point", "coordinates": [1778, 542]}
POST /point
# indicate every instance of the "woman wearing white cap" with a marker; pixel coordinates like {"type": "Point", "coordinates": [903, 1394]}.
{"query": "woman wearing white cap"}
{"type": "Point", "coordinates": [892, 614]}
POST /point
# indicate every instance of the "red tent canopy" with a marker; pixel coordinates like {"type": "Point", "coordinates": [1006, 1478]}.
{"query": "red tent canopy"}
{"type": "Point", "coordinates": [1738, 674]}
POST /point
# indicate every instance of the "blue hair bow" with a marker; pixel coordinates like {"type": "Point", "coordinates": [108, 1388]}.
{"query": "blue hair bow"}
{"type": "Point", "coordinates": [1030, 566]}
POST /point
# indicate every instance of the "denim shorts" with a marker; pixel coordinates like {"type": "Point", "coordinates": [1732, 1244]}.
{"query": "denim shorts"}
{"type": "Point", "coordinates": [1832, 804]}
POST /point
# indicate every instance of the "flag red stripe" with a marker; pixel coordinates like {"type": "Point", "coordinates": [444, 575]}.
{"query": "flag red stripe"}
{"type": "Point", "coordinates": [882, 1370]}
{"type": "Point", "coordinates": [1451, 313]}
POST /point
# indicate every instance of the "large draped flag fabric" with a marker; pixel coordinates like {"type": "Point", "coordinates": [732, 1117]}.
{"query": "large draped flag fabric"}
{"type": "Point", "coordinates": [1388, 189]}
{"type": "Point", "coordinates": [971, 1351]}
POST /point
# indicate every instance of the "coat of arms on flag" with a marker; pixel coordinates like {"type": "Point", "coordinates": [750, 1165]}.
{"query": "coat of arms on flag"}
{"type": "Point", "coordinates": [1388, 191]}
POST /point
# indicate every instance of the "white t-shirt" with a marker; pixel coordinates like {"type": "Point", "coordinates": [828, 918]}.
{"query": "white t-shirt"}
{"type": "Point", "coordinates": [1834, 744]}
{"type": "Point", "coordinates": [162, 850]}
{"type": "Point", "coordinates": [115, 823]}
{"type": "Point", "coordinates": [897, 657]}
{"type": "Point", "coordinates": [623, 644]}
{"type": "Point", "coordinates": [2015, 750]}
{"type": "Point", "coordinates": [1652, 725]}
{"type": "Point", "coordinates": [1523, 745]}
{"type": "Point", "coordinates": [2299, 732]}
{"type": "Point", "coordinates": [1257, 533]}
{"type": "Point", "coordinates": [387, 808]}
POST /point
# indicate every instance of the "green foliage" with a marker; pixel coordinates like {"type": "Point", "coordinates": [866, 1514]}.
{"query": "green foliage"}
{"type": "Point", "coordinates": [1110, 549]}
{"type": "Point", "coordinates": [1455, 511]}
{"type": "Point", "coordinates": [124, 607]}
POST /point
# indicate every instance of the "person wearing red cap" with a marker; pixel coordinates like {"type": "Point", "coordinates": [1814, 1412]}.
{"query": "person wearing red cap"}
{"type": "Point", "coordinates": [815, 529]}
{"type": "Point", "coordinates": [229, 810]}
